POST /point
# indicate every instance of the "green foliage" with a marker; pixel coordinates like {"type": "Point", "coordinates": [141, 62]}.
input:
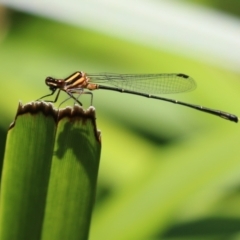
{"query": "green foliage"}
{"type": "Point", "coordinates": [229, 7]}
{"type": "Point", "coordinates": [49, 174]}
{"type": "Point", "coordinates": [163, 167]}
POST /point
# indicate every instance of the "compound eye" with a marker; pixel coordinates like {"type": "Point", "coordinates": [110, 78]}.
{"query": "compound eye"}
{"type": "Point", "coordinates": [49, 80]}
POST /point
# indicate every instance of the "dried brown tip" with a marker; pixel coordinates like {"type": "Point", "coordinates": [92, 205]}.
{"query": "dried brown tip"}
{"type": "Point", "coordinates": [77, 113]}
{"type": "Point", "coordinates": [35, 107]}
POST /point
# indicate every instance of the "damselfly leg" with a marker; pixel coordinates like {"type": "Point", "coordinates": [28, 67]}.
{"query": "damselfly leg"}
{"type": "Point", "coordinates": [77, 98]}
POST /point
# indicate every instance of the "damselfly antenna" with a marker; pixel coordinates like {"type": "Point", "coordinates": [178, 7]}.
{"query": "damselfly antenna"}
{"type": "Point", "coordinates": [138, 84]}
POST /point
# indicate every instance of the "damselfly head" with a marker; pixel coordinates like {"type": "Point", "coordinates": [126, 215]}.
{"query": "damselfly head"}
{"type": "Point", "coordinates": [52, 83]}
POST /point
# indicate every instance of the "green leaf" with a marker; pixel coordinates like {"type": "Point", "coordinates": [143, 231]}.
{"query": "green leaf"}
{"type": "Point", "coordinates": [73, 178]}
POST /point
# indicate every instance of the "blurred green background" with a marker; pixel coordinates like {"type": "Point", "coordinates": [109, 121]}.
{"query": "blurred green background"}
{"type": "Point", "coordinates": [166, 171]}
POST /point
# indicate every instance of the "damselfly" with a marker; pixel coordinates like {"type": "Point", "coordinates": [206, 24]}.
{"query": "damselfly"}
{"type": "Point", "coordinates": [139, 84]}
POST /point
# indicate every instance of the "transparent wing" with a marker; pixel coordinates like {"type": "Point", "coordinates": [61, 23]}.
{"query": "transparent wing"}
{"type": "Point", "coordinates": [147, 83]}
